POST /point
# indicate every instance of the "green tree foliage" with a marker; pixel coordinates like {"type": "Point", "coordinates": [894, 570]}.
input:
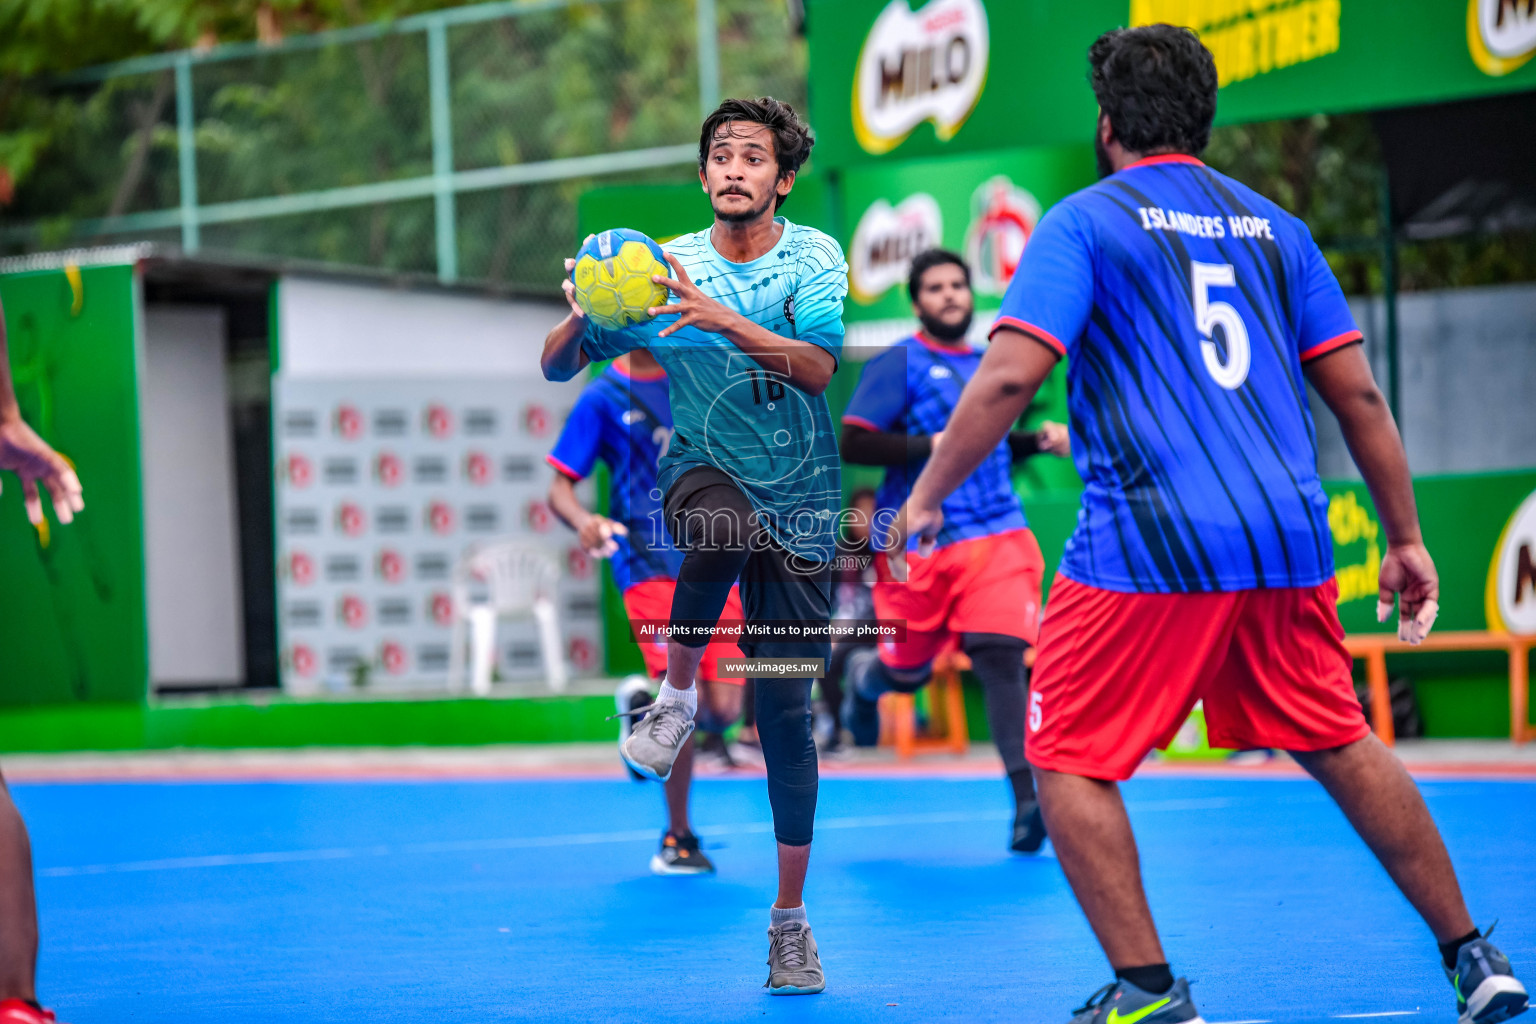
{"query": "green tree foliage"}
{"type": "Point", "coordinates": [1328, 171]}
{"type": "Point", "coordinates": [579, 81]}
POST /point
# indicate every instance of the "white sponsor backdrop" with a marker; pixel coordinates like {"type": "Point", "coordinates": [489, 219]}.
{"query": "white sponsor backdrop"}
{"type": "Point", "coordinates": [401, 439]}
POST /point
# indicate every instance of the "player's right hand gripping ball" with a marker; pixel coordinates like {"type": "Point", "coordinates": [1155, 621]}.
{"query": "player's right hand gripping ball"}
{"type": "Point", "coordinates": [612, 276]}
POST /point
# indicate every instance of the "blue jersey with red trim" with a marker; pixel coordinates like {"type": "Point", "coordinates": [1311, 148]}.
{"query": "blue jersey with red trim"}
{"type": "Point", "coordinates": [1186, 304]}
{"type": "Point", "coordinates": [912, 388]}
{"type": "Point", "coordinates": [626, 421]}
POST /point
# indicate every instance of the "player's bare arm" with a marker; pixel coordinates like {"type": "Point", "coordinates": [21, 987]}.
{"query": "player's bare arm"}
{"type": "Point", "coordinates": [1010, 373]}
{"type": "Point", "coordinates": [563, 357]}
{"type": "Point", "coordinates": [1343, 380]}
{"type": "Point", "coordinates": [809, 366]}
{"type": "Point", "coordinates": [594, 532]}
{"type": "Point", "coordinates": [30, 457]}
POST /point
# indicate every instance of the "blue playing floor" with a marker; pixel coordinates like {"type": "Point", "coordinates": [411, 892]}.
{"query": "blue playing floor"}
{"type": "Point", "coordinates": [530, 900]}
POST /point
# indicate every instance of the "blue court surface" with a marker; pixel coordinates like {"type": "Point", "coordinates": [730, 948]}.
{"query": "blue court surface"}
{"type": "Point", "coordinates": [530, 900]}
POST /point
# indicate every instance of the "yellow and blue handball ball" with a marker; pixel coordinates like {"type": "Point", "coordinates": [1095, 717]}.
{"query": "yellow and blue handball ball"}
{"type": "Point", "coordinates": [612, 276]}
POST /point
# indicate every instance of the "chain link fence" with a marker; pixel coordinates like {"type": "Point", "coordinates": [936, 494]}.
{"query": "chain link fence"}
{"type": "Point", "coordinates": [453, 144]}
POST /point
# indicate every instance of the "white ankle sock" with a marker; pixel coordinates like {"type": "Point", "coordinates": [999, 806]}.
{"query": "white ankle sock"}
{"type": "Point", "coordinates": [688, 697]}
{"type": "Point", "coordinates": [784, 915]}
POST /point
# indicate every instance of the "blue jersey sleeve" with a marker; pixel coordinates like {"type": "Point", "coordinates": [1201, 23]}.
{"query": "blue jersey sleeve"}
{"type": "Point", "coordinates": [880, 397]}
{"type": "Point", "coordinates": [1326, 322]}
{"type": "Point", "coordinates": [819, 294]}
{"type": "Point", "coordinates": [575, 452]}
{"type": "Point", "coordinates": [1051, 295]}
{"type": "Point", "coordinates": [599, 343]}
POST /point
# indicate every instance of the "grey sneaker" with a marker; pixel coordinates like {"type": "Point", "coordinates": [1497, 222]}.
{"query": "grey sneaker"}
{"type": "Point", "coordinates": [653, 744]}
{"type": "Point", "coordinates": [1487, 991]}
{"type": "Point", "coordinates": [1121, 1001]}
{"type": "Point", "coordinates": [794, 966]}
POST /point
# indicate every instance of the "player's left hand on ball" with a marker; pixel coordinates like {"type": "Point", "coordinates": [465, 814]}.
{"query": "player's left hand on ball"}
{"type": "Point", "coordinates": [1408, 572]}
{"type": "Point", "coordinates": [1055, 439]}
{"type": "Point", "coordinates": [692, 306]}
{"type": "Point", "coordinates": [569, 288]}
{"type": "Point", "coordinates": [31, 458]}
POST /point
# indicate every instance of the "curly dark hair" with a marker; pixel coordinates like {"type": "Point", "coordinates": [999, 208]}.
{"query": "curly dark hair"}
{"type": "Point", "coordinates": [926, 261]}
{"type": "Point", "coordinates": [1157, 84]}
{"type": "Point", "coordinates": [792, 137]}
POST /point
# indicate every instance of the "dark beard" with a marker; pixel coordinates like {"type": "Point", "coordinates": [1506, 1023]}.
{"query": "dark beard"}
{"type": "Point", "coordinates": [1106, 168]}
{"type": "Point", "coordinates": [944, 331]}
{"type": "Point", "coordinates": [742, 218]}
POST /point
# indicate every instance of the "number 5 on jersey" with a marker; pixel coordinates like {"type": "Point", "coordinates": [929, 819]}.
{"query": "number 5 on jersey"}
{"type": "Point", "coordinates": [1209, 315]}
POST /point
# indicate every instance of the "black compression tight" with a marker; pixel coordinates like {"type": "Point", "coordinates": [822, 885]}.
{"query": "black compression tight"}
{"type": "Point", "coordinates": [789, 754]}
{"type": "Point", "coordinates": [998, 662]}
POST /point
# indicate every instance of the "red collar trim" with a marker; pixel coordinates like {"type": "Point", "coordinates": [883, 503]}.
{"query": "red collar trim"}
{"type": "Point", "coordinates": [934, 345]}
{"type": "Point", "coordinates": [1164, 158]}
{"type": "Point", "coordinates": [622, 371]}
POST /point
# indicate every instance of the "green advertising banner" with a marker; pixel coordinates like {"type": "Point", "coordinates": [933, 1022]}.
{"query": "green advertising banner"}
{"type": "Point", "coordinates": [73, 601]}
{"type": "Point", "coordinates": [909, 79]}
{"type": "Point", "coordinates": [985, 207]}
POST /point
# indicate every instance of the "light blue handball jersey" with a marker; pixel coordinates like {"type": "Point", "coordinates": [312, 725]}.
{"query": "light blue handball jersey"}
{"type": "Point", "coordinates": [735, 413]}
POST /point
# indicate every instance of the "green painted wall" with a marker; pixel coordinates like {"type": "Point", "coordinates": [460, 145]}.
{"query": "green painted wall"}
{"type": "Point", "coordinates": [72, 615]}
{"type": "Point", "coordinates": [275, 721]}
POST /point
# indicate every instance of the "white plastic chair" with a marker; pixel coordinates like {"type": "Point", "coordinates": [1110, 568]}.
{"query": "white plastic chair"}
{"type": "Point", "coordinates": [519, 579]}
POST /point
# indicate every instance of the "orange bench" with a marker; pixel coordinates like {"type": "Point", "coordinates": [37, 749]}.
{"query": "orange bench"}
{"type": "Point", "coordinates": [948, 731]}
{"type": "Point", "coordinates": [1373, 648]}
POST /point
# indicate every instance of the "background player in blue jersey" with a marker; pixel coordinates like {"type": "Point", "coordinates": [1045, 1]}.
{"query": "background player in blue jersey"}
{"type": "Point", "coordinates": [980, 589]}
{"type": "Point", "coordinates": [1192, 311]}
{"type": "Point", "coordinates": [624, 419]}
{"type": "Point", "coordinates": [749, 340]}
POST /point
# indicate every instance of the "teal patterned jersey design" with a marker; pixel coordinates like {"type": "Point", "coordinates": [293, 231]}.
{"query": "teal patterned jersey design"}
{"type": "Point", "coordinates": [740, 414]}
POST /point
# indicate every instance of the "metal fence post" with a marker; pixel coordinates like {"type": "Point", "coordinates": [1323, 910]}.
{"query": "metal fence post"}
{"type": "Point", "coordinates": [709, 57]}
{"type": "Point", "coordinates": [186, 152]}
{"type": "Point", "coordinates": [442, 153]}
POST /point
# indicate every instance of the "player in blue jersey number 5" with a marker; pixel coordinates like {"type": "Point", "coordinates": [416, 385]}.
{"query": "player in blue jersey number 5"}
{"type": "Point", "coordinates": [1192, 312]}
{"type": "Point", "coordinates": [749, 340]}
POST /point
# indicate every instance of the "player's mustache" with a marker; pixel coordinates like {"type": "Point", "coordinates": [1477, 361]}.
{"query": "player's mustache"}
{"type": "Point", "coordinates": [732, 191]}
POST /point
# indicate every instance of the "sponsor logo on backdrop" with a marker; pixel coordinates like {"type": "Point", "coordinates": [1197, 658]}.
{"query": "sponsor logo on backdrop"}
{"type": "Point", "coordinates": [1501, 34]}
{"type": "Point", "coordinates": [303, 660]}
{"type": "Point", "coordinates": [352, 612]}
{"type": "Point", "coordinates": [438, 421]}
{"type": "Point", "coordinates": [392, 657]}
{"type": "Point", "coordinates": [536, 420]}
{"type": "Point", "coordinates": [581, 652]}
{"type": "Point", "coordinates": [349, 422]}
{"type": "Point", "coordinates": [538, 517]}
{"type": "Point", "coordinates": [350, 519]}
{"type": "Point", "coordinates": [389, 469]}
{"type": "Point", "coordinates": [440, 609]}
{"type": "Point", "coordinates": [391, 566]}
{"type": "Point", "coordinates": [477, 468]}
{"type": "Point", "coordinates": [886, 239]}
{"type": "Point", "coordinates": [1003, 216]}
{"type": "Point", "coordinates": [916, 66]}
{"type": "Point", "coordinates": [1510, 600]}
{"type": "Point", "coordinates": [1249, 40]}
{"type": "Point", "coordinates": [579, 563]}
{"type": "Point", "coordinates": [301, 569]}
{"type": "Point", "coordinates": [301, 472]}
{"type": "Point", "coordinates": [440, 518]}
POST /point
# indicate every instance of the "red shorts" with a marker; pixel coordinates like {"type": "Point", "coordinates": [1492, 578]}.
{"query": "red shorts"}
{"type": "Point", "coordinates": [983, 585]}
{"type": "Point", "coordinates": [1117, 674]}
{"type": "Point", "coordinates": [652, 600]}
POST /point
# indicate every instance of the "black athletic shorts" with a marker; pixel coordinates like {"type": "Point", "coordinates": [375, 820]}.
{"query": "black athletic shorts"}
{"type": "Point", "coordinates": [777, 587]}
